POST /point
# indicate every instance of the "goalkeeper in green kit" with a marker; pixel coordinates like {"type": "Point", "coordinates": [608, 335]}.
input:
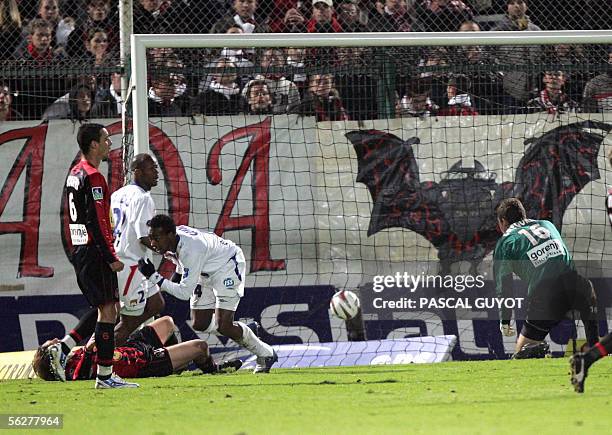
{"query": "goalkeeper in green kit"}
{"type": "Point", "coordinates": [535, 252]}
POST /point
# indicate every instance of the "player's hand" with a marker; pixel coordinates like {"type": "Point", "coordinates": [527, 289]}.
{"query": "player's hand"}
{"type": "Point", "coordinates": [116, 266]}
{"type": "Point", "coordinates": [146, 267]}
{"type": "Point", "coordinates": [505, 326]}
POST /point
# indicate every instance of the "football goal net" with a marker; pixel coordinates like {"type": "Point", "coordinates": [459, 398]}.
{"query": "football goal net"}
{"type": "Point", "coordinates": [374, 163]}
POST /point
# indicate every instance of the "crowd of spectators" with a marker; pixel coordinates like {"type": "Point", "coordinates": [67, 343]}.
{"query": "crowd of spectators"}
{"type": "Point", "coordinates": [44, 36]}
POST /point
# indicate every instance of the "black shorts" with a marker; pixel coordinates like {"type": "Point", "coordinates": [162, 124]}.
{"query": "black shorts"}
{"type": "Point", "coordinates": [94, 276]}
{"type": "Point", "coordinates": [552, 299]}
{"type": "Point", "coordinates": [158, 362]}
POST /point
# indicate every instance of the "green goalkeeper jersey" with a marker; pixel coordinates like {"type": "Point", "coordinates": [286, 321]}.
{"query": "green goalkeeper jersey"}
{"type": "Point", "coordinates": [532, 250]}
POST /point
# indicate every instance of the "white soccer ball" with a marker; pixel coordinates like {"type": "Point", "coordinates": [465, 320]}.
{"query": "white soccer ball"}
{"type": "Point", "coordinates": [344, 304]}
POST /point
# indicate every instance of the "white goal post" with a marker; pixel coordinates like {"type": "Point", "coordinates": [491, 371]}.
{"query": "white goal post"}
{"type": "Point", "coordinates": [141, 42]}
{"type": "Point", "coordinates": [298, 189]}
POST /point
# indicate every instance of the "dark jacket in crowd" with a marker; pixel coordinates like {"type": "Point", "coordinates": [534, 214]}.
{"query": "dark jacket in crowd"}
{"type": "Point", "coordinates": [215, 103]}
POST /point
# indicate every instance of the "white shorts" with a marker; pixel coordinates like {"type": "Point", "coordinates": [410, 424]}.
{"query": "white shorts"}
{"type": "Point", "coordinates": [223, 289]}
{"type": "Point", "coordinates": [134, 290]}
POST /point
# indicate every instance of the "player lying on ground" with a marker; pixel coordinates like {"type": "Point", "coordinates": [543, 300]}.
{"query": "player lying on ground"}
{"type": "Point", "coordinates": [143, 355]}
{"type": "Point", "coordinates": [581, 362]}
{"type": "Point", "coordinates": [535, 251]}
{"type": "Point", "coordinates": [212, 272]}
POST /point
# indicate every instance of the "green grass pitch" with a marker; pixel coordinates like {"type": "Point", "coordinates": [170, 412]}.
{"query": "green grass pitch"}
{"type": "Point", "coordinates": [530, 396]}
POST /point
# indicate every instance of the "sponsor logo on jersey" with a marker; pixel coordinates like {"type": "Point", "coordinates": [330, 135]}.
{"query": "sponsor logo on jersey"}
{"type": "Point", "coordinates": [541, 253]}
{"type": "Point", "coordinates": [185, 273]}
{"type": "Point", "coordinates": [78, 234]}
{"type": "Point", "coordinates": [97, 193]}
{"type": "Point", "coordinates": [228, 282]}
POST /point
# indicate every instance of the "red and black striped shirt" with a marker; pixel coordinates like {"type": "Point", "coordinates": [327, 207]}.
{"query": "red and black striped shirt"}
{"type": "Point", "coordinates": [89, 210]}
{"type": "Point", "coordinates": [128, 362]}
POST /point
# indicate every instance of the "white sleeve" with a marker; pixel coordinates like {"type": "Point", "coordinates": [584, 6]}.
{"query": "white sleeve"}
{"type": "Point", "coordinates": [143, 212]}
{"type": "Point", "coordinates": [182, 290]}
{"type": "Point", "coordinates": [191, 275]}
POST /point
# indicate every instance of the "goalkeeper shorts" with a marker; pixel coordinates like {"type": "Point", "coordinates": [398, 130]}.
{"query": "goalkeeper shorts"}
{"type": "Point", "coordinates": [552, 299]}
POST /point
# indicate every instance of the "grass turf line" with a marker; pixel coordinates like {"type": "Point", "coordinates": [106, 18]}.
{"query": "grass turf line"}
{"type": "Point", "coordinates": [530, 396]}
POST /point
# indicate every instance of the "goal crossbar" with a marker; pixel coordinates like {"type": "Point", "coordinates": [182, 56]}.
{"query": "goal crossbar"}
{"type": "Point", "coordinates": [141, 42]}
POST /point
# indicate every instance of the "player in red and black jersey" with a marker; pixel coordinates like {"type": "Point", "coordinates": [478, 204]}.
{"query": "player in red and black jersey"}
{"type": "Point", "coordinates": [580, 362]}
{"type": "Point", "coordinates": [89, 203]}
{"type": "Point", "coordinates": [93, 255]}
{"type": "Point", "coordinates": [142, 356]}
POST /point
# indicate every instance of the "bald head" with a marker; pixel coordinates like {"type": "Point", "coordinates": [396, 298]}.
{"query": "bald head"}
{"type": "Point", "coordinates": [145, 171]}
{"type": "Point", "coordinates": [140, 160]}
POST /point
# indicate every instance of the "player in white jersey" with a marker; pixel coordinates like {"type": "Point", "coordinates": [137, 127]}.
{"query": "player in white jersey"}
{"type": "Point", "coordinates": [213, 272]}
{"type": "Point", "coordinates": [132, 207]}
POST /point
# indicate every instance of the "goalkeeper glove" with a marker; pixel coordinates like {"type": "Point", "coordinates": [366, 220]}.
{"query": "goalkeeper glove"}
{"type": "Point", "coordinates": [505, 326]}
{"type": "Point", "coordinates": [147, 268]}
